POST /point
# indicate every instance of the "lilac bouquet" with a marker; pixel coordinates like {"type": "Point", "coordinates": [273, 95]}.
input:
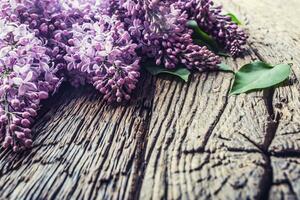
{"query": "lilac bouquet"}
{"type": "Point", "coordinates": [100, 42]}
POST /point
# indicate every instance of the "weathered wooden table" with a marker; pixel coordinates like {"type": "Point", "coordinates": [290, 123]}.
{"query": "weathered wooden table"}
{"type": "Point", "coordinates": [177, 140]}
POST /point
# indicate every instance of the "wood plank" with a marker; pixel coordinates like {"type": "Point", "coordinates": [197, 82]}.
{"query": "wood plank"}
{"type": "Point", "coordinates": [275, 39]}
{"type": "Point", "coordinates": [282, 191]}
{"type": "Point", "coordinates": [286, 180]}
{"type": "Point", "coordinates": [84, 149]}
{"type": "Point", "coordinates": [247, 126]}
{"type": "Point", "coordinates": [203, 144]}
{"type": "Point", "coordinates": [191, 142]}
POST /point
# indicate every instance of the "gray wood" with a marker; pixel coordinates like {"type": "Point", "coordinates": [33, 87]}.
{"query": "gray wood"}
{"type": "Point", "coordinates": [275, 36]}
{"type": "Point", "coordinates": [177, 140]}
{"type": "Point", "coordinates": [84, 149]}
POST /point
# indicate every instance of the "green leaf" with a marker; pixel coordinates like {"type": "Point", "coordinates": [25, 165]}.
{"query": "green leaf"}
{"type": "Point", "coordinates": [234, 19]}
{"type": "Point", "coordinates": [201, 37]}
{"type": "Point", "coordinates": [224, 67]}
{"type": "Point", "coordinates": [259, 75]}
{"type": "Point", "coordinates": [180, 72]}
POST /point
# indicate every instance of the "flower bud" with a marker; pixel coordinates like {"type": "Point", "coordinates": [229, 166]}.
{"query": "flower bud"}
{"type": "Point", "coordinates": [25, 122]}
{"type": "Point", "coordinates": [15, 103]}
{"type": "Point", "coordinates": [19, 134]}
{"type": "Point", "coordinates": [15, 148]}
{"type": "Point", "coordinates": [3, 118]}
{"type": "Point", "coordinates": [43, 95]}
{"type": "Point", "coordinates": [28, 143]}
{"type": "Point", "coordinates": [26, 115]}
{"type": "Point", "coordinates": [16, 120]}
{"type": "Point", "coordinates": [26, 130]}
{"type": "Point", "coordinates": [32, 112]}
{"type": "Point", "coordinates": [12, 127]}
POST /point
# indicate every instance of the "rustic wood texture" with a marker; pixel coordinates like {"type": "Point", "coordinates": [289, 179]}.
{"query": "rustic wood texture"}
{"type": "Point", "coordinates": [177, 140]}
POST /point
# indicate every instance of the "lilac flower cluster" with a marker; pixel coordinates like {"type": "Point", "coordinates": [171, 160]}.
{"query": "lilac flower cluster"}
{"type": "Point", "coordinates": [167, 39]}
{"type": "Point", "coordinates": [105, 51]}
{"type": "Point", "coordinates": [51, 21]}
{"type": "Point", "coordinates": [26, 78]}
{"type": "Point", "coordinates": [220, 26]}
{"type": "Point", "coordinates": [101, 42]}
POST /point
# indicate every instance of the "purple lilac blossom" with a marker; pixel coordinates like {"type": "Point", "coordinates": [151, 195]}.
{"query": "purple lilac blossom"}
{"type": "Point", "coordinates": [26, 79]}
{"type": "Point", "coordinates": [212, 20]}
{"type": "Point", "coordinates": [100, 42]}
{"type": "Point", "coordinates": [105, 52]}
{"type": "Point", "coordinates": [51, 20]}
{"type": "Point", "coordinates": [167, 39]}
{"type": "Point", "coordinates": [159, 29]}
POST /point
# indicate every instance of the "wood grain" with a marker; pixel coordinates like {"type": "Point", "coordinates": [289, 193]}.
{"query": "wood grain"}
{"type": "Point", "coordinates": [84, 149]}
{"type": "Point", "coordinates": [275, 38]}
{"type": "Point", "coordinates": [176, 140]}
{"type": "Point", "coordinates": [210, 141]}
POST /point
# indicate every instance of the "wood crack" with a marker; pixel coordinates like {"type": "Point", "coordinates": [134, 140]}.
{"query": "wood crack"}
{"type": "Point", "coordinates": [271, 128]}
{"type": "Point", "coordinates": [143, 130]}
{"type": "Point", "coordinates": [218, 117]}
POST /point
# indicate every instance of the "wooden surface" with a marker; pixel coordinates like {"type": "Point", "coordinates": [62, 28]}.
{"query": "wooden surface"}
{"type": "Point", "coordinates": [177, 140]}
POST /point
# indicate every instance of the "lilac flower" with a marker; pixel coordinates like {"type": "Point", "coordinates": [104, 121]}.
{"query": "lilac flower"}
{"type": "Point", "coordinates": [26, 78]}
{"type": "Point", "coordinates": [136, 29]}
{"type": "Point", "coordinates": [50, 21]}
{"type": "Point", "coordinates": [220, 26]}
{"type": "Point", "coordinates": [101, 42]}
{"type": "Point", "coordinates": [169, 41]}
{"type": "Point", "coordinates": [105, 52]}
